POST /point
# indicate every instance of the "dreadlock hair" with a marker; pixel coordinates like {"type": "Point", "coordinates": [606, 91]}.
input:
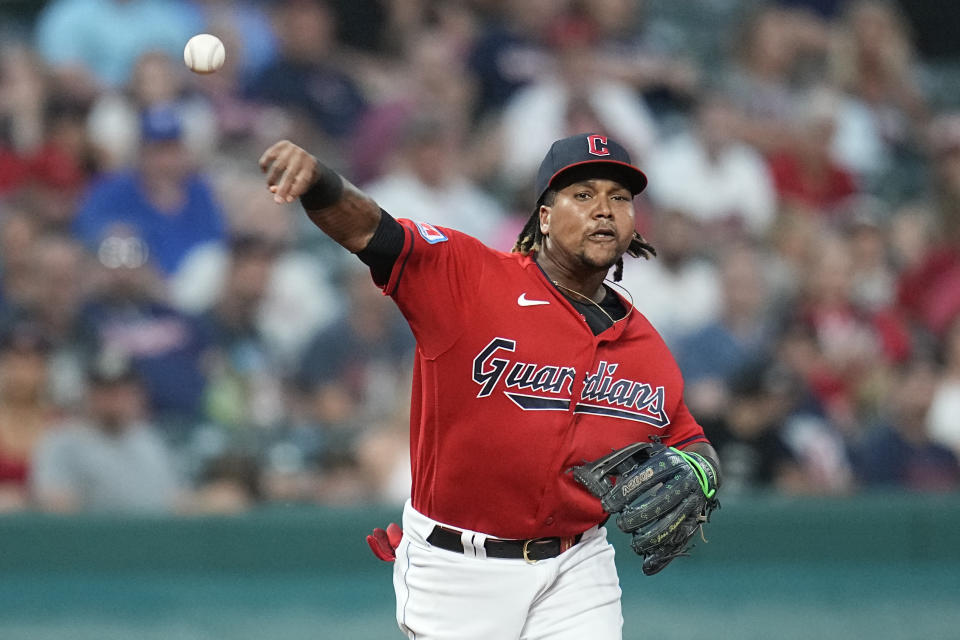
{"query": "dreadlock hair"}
{"type": "Point", "coordinates": [531, 238]}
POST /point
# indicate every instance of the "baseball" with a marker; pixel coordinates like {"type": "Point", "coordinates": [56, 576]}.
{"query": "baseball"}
{"type": "Point", "coordinates": [204, 53]}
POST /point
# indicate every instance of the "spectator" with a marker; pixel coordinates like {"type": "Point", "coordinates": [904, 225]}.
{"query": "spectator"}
{"type": "Point", "coordinates": [806, 176]}
{"type": "Point", "coordinates": [58, 279]}
{"type": "Point", "coordinates": [746, 434]}
{"type": "Point", "coordinates": [837, 255]}
{"type": "Point", "coordinates": [872, 59]}
{"type": "Point", "coordinates": [24, 92]}
{"type": "Point", "coordinates": [911, 231]}
{"type": "Point", "coordinates": [929, 287]}
{"type": "Point", "coordinates": [111, 459]}
{"type": "Point", "coordinates": [352, 391]}
{"type": "Point", "coordinates": [25, 413]}
{"type": "Point", "coordinates": [570, 99]}
{"type": "Point", "coordinates": [713, 355]}
{"type": "Point", "coordinates": [853, 342]}
{"type": "Point", "coordinates": [759, 79]}
{"type": "Point", "coordinates": [94, 43]}
{"type": "Point", "coordinates": [511, 52]}
{"type": "Point", "coordinates": [432, 81]}
{"type": "Point", "coordinates": [244, 388]}
{"type": "Point", "coordinates": [707, 172]}
{"type": "Point", "coordinates": [874, 279]}
{"type": "Point", "coordinates": [305, 78]}
{"type": "Point", "coordinates": [127, 315]}
{"type": "Point", "coordinates": [18, 234]}
{"type": "Point", "coordinates": [819, 449]}
{"type": "Point", "coordinates": [62, 166]}
{"type": "Point", "coordinates": [56, 271]}
{"type": "Point", "coordinates": [383, 456]}
{"type": "Point", "coordinates": [632, 48]}
{"type": "Point", "coordinates": [245, 29]}
{"type": "Point", "coordinates": [899, 452]}
{"type": "Point", "coordinates": [792, 245]}
{"type": "Point", "coordinates": [230, 118]}
{"type": "Point", "coordinates": [300, 299]}
{"type": "Point", "coordinates": [679, 292]}
{"type": "Point", "coordinates": [353, 368]}
{"type": "Point", "coordinates": [156, 82]}
{"type": "Point", "coordinates": [45, 158]}
{"type": "Point", "coordinates": [429, 183]}
{"type": "Point", "coordinates": [943, 419]}
{"type": "Point", "coordinates": [163, 199]}
{"type": "Point", "coordinates": [943, 143]}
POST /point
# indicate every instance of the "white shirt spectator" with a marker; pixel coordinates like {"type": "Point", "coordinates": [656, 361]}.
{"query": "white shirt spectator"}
{"type": "Point", "coordinates": [457, 203]}
{"type": "Point", "coordinates": [858, 143]}
{"type": "Point", "coordinates": [299, 301]}
{"type": "Point", "coordinates": [114, 122]}
{"type": "Point", "coordinates": [943, 419]}
{"type": "Point", "coordinates": [735, 184]}
{"type": "Point", "coordinates": [538, 114]}
{"type": "Point", "coordinates": [675, 301]}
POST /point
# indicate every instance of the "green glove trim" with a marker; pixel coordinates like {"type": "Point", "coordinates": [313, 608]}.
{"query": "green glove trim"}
{"type": "Point", "coordinates": [702, 478]}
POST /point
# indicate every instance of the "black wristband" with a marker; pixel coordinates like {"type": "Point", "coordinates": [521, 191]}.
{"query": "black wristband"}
{"type": "Point", "coordinates": [326, 191]}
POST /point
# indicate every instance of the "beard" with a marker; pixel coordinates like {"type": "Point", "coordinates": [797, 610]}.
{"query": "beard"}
{"type": "Point", "coordinates": [595, 258]}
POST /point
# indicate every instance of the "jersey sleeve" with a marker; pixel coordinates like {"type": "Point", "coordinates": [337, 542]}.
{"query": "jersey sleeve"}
{"type": "Point", "coordinates": [434, 281]}
{"type": "Point", "coordinates": [684, 429]}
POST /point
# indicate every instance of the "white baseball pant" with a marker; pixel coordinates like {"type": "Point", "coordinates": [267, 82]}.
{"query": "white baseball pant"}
{"type": "Point", "coordinates": [446, 595]}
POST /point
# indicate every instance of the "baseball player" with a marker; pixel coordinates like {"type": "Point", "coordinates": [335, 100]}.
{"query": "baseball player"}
{"type": "Point", "coordinates": [527, 365]}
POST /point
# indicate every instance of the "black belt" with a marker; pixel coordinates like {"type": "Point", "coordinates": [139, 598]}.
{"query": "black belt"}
{"type": "Point", "coordinates": [530, 550]}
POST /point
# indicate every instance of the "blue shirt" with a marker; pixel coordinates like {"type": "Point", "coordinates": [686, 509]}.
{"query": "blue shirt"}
{"type": "Point", "coordinates": [165, 347]}
{"type": "Point", "coordinates": [886, 458]}
{"type": "Point", "coordinates": [330, 98]}
{"type": "Point", "coordinates": [119, 199]}
{"type": "Point", "coordinates": [107, 36]}
{"type": "Point", "coordinates": [716, 352]}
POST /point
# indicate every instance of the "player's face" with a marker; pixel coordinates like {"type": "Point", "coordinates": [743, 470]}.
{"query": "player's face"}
{"type": "Point", "coordinates": [590, 224]}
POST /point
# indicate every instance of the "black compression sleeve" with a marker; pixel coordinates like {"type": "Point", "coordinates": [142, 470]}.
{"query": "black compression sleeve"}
{"type": "Point", "coordinates": [383, 249]}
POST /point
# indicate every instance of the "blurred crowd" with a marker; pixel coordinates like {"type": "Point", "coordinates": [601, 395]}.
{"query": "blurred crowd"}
{"type": "Point", "coordinates": [172, 340]}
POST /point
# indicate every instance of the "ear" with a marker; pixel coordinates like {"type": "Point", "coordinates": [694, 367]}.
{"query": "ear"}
{"type": "Point", "coordinates": [544, 219]}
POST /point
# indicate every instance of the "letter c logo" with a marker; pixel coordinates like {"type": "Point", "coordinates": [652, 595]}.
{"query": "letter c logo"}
{"type": "Point", "coordinates": [597, 145]}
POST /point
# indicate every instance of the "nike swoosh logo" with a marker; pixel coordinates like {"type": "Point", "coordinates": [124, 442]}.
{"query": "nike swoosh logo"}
{"type": "Point", "coordinates": [524, 302]}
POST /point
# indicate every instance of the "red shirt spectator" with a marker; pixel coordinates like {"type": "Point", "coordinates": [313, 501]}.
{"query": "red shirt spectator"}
{"type": "Point", "coordinates": [801, 185]}
{"type": "Point", "coordinates": [930, 292]}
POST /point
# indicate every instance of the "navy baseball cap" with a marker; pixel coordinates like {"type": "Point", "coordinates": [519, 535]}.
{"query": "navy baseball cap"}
{"type": "Point", "coordinates": [600, 156]}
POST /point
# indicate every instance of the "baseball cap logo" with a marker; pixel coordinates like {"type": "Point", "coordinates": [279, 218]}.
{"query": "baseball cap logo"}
{"type": "Point", "coordinates": [597, 145]}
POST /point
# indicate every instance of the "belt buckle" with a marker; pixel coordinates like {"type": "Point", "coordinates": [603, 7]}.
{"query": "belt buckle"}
{"type": "Point", "coordinates": [526, 556]}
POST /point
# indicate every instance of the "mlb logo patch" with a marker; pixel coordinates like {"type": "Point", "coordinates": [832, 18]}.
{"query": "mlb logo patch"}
{"type": "Point", "coordinates": [430, 233]}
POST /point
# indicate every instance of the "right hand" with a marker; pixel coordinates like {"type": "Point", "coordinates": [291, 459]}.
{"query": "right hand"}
{"type": "Point", "coordinates": [290, 171]}
{"type": "Point", "coordinates": [384, 543]}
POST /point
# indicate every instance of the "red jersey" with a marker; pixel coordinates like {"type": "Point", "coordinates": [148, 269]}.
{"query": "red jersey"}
{"type": "Point", "coordinates": [511, 388]}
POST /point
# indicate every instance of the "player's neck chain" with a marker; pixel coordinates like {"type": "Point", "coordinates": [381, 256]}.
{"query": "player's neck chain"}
{"type": "Point", "coordinates": [593, 302]}
{"type": "Point", "coordinates": [587, 299]}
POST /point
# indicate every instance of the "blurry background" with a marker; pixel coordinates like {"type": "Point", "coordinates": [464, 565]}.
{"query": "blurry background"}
{"type": "Point", "coordinates": [203, 401]}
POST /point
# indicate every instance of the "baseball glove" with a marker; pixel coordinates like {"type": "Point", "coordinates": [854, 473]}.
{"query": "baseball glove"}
{"type": "Point", "coordinates": [660, 495]}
